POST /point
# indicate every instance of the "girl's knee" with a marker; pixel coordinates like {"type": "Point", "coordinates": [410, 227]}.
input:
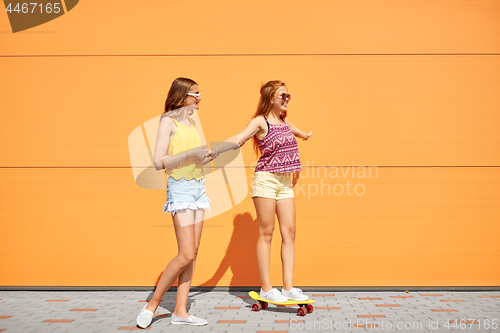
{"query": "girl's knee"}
{"type": "Point", "coordinates": [266, 235]}
{"type": "Point", "coordinates": [288, 234]}
{"type": "Point", "coordinates": [187, 257]}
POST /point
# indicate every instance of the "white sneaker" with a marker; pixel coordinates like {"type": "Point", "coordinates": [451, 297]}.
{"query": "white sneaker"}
{"type": "Point", "coordinates": [273, 295]}
{"type": "Point", "coordinates": [191, 320]}
{"type": "Point", "coordinates": [144, 318]}
{"type": "Point", "coordinates": [295, 294]}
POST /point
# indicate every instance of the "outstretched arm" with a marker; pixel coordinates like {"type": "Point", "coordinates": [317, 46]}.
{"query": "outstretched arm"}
{"type": "Point", "coordinates": [254, 126]}
{"type": "Point", "coordinates": [298, 133]}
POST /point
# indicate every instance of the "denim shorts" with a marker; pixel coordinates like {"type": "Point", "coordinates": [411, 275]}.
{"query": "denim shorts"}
{"type": "Point", "coordinates": [185, 194]}
{"type": "Point", "coordinates": [272, 185]}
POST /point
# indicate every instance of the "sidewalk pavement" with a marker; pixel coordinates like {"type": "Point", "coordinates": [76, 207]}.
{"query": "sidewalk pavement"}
{"type": "Point", "coordinates": [113, 311]}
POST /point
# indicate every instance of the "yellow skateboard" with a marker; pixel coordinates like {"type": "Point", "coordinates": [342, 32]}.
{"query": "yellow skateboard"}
{"type": "Point", "coordinates": [305, 307]}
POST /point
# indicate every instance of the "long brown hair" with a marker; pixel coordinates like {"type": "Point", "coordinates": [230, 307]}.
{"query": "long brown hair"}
{"type": "Point", "coordinates": [266, 95]}
{"type": "Point", "coordinates": [178, 94]}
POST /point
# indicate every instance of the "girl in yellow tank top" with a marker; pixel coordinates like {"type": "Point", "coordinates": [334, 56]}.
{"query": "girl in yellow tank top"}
{"type": "Point", "coordinates": [178, 151]}
{"type": "Point", "coordinates": [185, 138]}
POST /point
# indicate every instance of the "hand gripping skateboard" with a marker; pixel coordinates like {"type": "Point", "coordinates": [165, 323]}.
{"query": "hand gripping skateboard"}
{"type": "Point", "coordinates": [304, 307]}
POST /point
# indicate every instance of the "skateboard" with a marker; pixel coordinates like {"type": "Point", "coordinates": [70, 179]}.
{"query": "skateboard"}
{"type": "Point", "coordinates": [305, 307]}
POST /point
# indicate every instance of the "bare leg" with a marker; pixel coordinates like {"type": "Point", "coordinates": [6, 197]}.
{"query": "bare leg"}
{"type": "Point", "coordinates": [186, 240]}
{"type": "Point", "coordinates": [266, 209]}
{"type": "Point", "coordinates": [186, 276]}
{"type": "Point", "coordinates": [286, 216]}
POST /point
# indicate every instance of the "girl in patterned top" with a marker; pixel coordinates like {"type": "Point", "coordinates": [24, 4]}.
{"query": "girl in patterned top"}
{"type": "Point", "coordinates": [276, 174]}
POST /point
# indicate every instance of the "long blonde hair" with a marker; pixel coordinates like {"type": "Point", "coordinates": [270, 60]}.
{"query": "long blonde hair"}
{"type": "Point", "coordinates": [264, 107]}
{"type": "Point", "coordinates": [177, 96]}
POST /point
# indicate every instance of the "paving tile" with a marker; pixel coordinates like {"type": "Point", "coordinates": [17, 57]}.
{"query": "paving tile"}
{"type": "Point", "coordinates": [371, 316]}
{"type": "Point", "coordinates": [288, 321]}
{"type": "Point", "coordinates": [451, 321]}
{"type": "Point", "coordinates": [369, 298]}
{"type": "Point", "coordinates": [132, 328]}
{"type": "Point", "coordinates": [370, 325]}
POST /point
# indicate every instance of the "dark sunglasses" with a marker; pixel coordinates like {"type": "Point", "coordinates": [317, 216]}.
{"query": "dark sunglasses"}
{"type": "Point", "coordinates": [285, 97]}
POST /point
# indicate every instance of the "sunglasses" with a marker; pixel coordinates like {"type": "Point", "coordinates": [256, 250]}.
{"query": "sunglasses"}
{"type": "Point", "coordinates": [285, 97]}
{"type": "Point", "coordinates": [197, 96]}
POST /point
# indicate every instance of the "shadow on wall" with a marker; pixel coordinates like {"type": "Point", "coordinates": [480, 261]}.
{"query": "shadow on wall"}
{"type": "Point", "coordinates": [240, 255]}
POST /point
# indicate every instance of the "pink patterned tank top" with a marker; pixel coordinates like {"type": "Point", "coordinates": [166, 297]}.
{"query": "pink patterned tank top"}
{"type": "Point", "coordinates": [279, 151]}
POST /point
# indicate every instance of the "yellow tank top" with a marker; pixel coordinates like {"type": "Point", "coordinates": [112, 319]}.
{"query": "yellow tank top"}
{"type": "Point", "coordinates": [186, 138]}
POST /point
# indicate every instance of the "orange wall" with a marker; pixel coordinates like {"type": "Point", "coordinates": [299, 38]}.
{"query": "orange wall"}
{"type": "Point", "coordinates": [410, 87]}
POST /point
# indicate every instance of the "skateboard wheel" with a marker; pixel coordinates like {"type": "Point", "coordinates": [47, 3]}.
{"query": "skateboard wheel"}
{"type": "Point", "coordinates": [301, 311]}
{"type": "Point", "coordinates": [264, 304]}
{"type": "Point", "coordinates": [310, 308]}
{"type": "Point", "coordinates": [256, 307]}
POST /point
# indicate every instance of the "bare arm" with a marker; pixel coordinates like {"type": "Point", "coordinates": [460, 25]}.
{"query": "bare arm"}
{"type": "Point", "coordinates": [296, 176]}
{"type": "Point", "coordinates": [298, 133]}
{"type": "Point", "coordinates": [254, 126]}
